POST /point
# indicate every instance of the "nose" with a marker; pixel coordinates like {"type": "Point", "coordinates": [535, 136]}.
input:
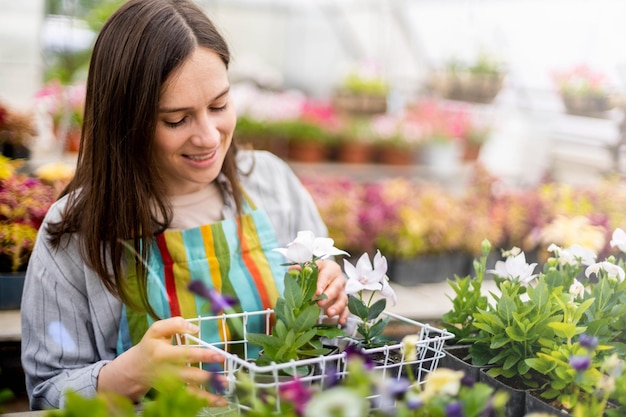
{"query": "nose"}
{"type": "Point", "coordinates": [207, 133]}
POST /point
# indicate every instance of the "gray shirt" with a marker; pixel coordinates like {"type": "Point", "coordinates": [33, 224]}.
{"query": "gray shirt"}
{"type": "Point", "coordinates": [70, 320]}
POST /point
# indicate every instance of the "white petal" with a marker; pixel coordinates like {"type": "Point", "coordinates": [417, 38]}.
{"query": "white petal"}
{"type": "Point", "coordinates": [299, 252]}
{"type": "Point", "coordinates": [363, 264]}
{"type": "Point", "coordinates": [350, 270]}
{"type": "Point", "coordinates": [388, 292]}
{"type": "Point", "coordinates": [592, 269]}
{"type": "Point", "coordinates": [353, 286]}
{"type": "Point", "coordinates": [324, 247]}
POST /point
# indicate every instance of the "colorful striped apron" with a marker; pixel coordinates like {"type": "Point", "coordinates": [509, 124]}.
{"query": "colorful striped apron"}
{"type": "Point", "coordinates": [246, 268]}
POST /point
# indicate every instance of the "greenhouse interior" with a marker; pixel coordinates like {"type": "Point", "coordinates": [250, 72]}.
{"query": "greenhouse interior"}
{"type": "Point", "coordinates": [466, 157]}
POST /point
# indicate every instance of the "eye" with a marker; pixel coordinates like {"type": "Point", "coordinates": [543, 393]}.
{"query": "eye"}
{"type": "Point", "coordinates": [176, 124]}
{"type": "Point", "coordinates": [218, 109]}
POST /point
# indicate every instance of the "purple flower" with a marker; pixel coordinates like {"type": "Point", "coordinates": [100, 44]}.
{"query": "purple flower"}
{"type": "Point", "coordinates": [580, 362]}
{"type": "Point", "coordinates": [296, 393]}
{"type": "Point", "coordinates": [331, 377]}
{"type": "Point", "coordinates": [218, 302]}
{"type": "Point", "coordinates": [216, 383]}
{"type": "Point", "coordinates": [454, 409]}
{"type": "Point", "coordinates": [468, 381]}
{"type": "Point", "coordinates": [398, 387]}
{"type": "Point", "coordinates": [414, 403]}
{"type": "Point", "coordinates": [355, 351]}
{"type": "Point", "coordinates": [588, 341]}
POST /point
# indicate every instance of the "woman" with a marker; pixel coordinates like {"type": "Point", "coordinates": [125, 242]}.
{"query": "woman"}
{"type": "Point", "coordinates": [161, 196]}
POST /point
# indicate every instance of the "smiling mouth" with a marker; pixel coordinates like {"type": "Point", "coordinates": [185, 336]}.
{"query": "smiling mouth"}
{"type": "Point", "coordinates": [200, 158]}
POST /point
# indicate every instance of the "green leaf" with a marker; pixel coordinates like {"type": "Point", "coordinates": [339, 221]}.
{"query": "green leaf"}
{"type": "Point", "coordinates": [499, 341]}
{"type": "Point", "coordinates": [314, 352]}
{"type": "Point", "coordinates": [510, 361]}
{"type": "Point", "coordinates": [307, 318]}
{"type": "Point", "coordinates": [291, 293]}
{"type": "Point", "coordinates": [378, 328]}
{"type": "Point", "coordinates": [376, 308]}
{"type": "Point", "coordinates": [516, 334]}
{"type": "Point", "coordinates": [262, 340]}
{"type": "Point", "coordinates": [330, 332]}
{"type": "Point", "coordinates": [564, 330]}
{"type": "Point", "coordinates": [304, 338]}
{"type": "Point", "coordinates": [283, 313]}
{"type": "Point", "coordinates": [540, 365]}
{"type": "Point", "coordinates": [280, 330]}
{"type": "Point", "coordinates": [357, 307]}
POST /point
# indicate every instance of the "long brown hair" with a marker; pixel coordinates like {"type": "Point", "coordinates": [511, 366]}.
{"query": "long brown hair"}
{"type": "Point", "coordinates": [117, 194]}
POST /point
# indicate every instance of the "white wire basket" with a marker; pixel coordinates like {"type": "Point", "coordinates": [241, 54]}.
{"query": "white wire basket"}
{"type": "Point", "coordinates": [389, 360]}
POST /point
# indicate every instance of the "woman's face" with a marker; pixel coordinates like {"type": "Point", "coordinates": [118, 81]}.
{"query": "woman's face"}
{"type": "Point", "coordinates": [195, 123]}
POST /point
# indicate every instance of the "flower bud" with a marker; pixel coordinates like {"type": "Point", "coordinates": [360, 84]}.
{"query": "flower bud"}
{"type": "Point", "coordinates": [485, 246]}
{"type": "Point", "coordinates": [580, 363]}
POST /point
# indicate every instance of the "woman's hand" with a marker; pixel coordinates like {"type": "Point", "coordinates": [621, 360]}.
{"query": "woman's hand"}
{"type": "Point", "coordinates": [332, 282]}
{"type": "Point", "coordinates": [133, 372]}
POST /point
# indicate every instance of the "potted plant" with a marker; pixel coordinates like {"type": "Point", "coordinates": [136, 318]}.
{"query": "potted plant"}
{"type": "Point", "coordinates": [363, 91]}
{"type": "Point", "coordinates": [396, 140]}
{"type": "Point", "coordinates": [459, 320]}
{"type": "Point", "coordinates": [530, 332]}
{"type": "Point", "coordinates": [24, 201]}
{"type": "Point", "coordinates": [365, 281]}
{"type": "Point", "coordinates": [297, 332]}
{"type": "Point", "coordinates": [16, 132]}
{"type": "Point", "coordinates": [307, 141]}
{"type": "Point", "coordinates": [443, 127]}
{"type": "Point", "coordinates": [479, 81]}
{"type": "Point", "coordinates": [584, 91]}
{"type": "Point", "coordinates": [65, 106]}
{"type": "Point", "coordinates": [355, 142]}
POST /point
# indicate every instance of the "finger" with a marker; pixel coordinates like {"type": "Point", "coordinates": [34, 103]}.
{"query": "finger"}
{"type": "Point", "coordinates": [193, 375]}
{"type": "Point", "coordinates": [204, 355]}
{"type": "Point", "coordinates": [343, 317]}
{"type": "Point", "coordinates": [328, 270]}
{"type": "Point", "coordinates": [334, 291]}
{"type": "Point", "coordinates": [214, 399]}
{"type": "Point", "coordinates": [166, 328]}
{"type": "Point", "coordinates": [188, 354]}
{"type": "Point", "coordinates": [337, 306]}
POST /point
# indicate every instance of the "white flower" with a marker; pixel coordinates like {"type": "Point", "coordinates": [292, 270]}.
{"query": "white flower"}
{"type": "Point", "coordinates": [340, 401]}
{"type": "Point", "coordinates": [576, 289]}
{"type": "Point", "coordinates": [515, 268]}
{"type": "Point", "coordinates": [306, 245]}
{"type": "Point", "coordinates": [574, 255]}
{"type": "Point", "coordinates": [612, 270]}
{"type": "Point", "coordinates": [619, 239]}
{"type": "Point", "coordinates": [365, 277]}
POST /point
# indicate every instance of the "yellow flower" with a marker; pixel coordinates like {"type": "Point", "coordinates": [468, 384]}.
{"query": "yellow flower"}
{"type": "Point", "coordinates": [409, 344]}
{"type": "Point", "coordinates": [55, 171]}
{"type": "Point", "coordinates": [8, 167]}
{"type": "Point", "coordinates": [442, 381]}
{"type": "Point", "coordinates": [567, 231]}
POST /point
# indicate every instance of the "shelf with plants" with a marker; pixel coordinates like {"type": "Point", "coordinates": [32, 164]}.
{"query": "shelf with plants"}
{"type": "Point", "coordinates": [344, 137]}
{"type": "Point", "coordinates": [24, 201]}
{"type": "Point", "coordinates": [408, 218]}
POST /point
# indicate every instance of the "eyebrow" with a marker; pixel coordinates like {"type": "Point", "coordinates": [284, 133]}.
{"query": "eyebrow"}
{"type": "Point", "coordinates": [182, 109]}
